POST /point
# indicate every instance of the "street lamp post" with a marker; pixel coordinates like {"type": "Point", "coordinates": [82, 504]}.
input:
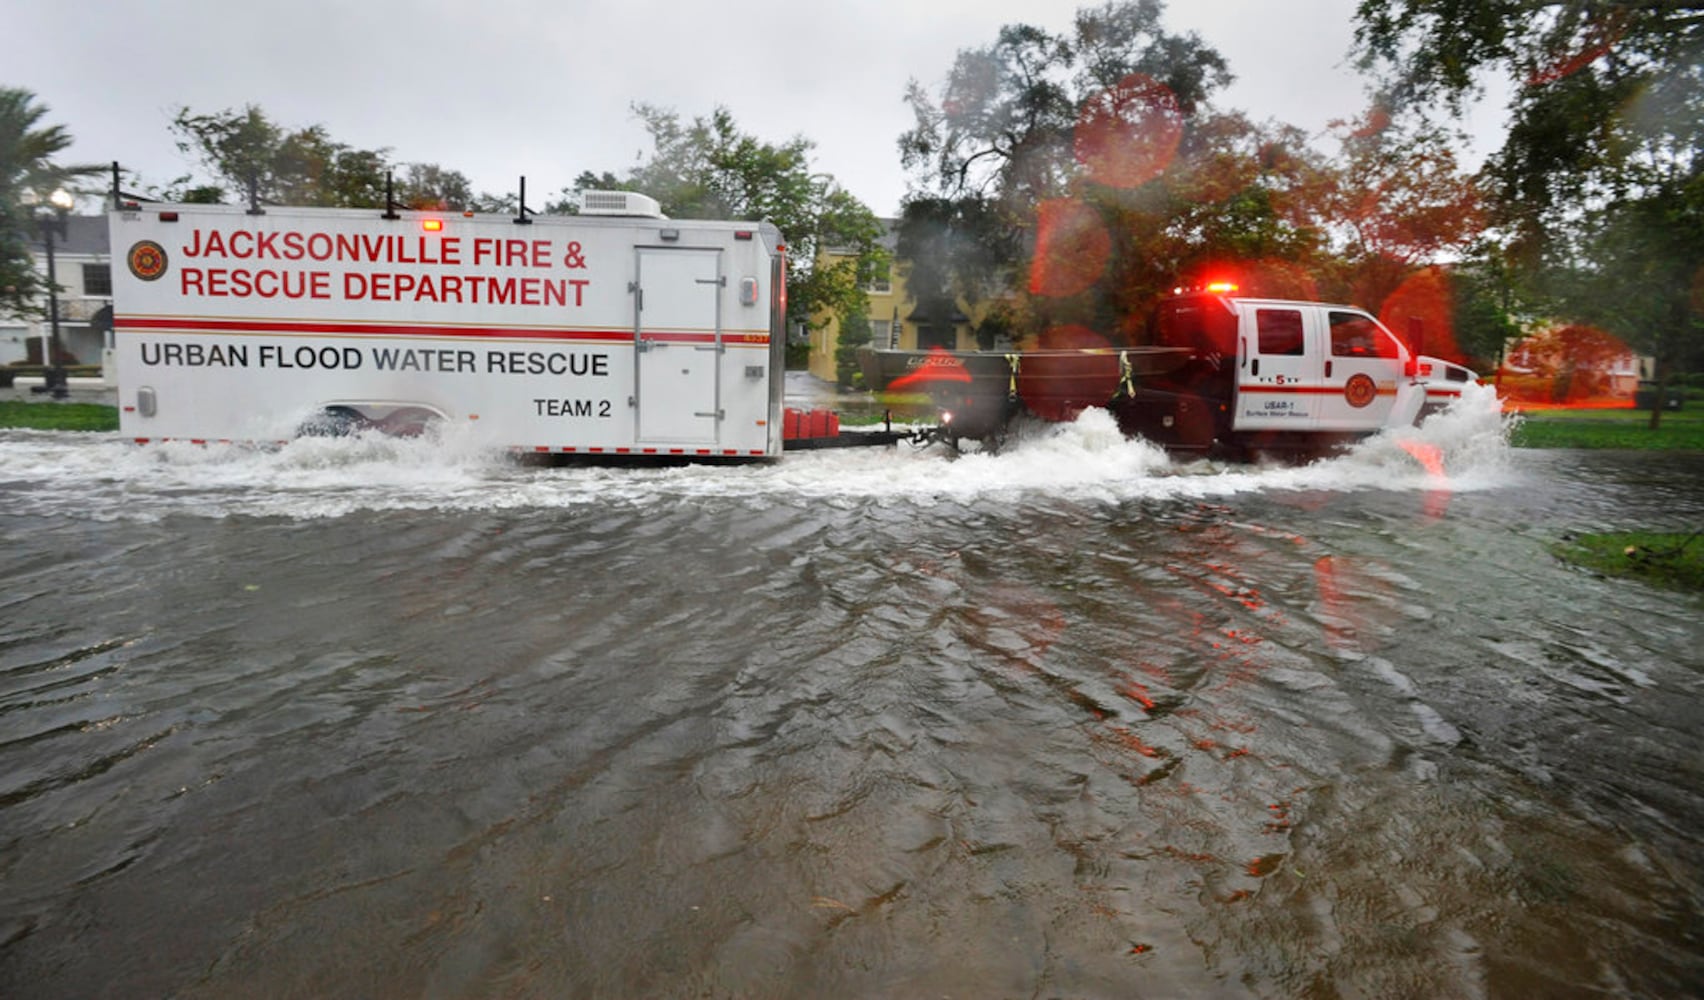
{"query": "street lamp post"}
{"type": "Point", "coordinates": [53, 221]}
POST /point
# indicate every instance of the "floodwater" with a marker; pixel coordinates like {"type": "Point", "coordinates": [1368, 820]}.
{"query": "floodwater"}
{"type": "Point", "coordinates": [394, 719]}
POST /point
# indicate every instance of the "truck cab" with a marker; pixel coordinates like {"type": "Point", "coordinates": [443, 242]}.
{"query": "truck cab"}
{"type": "Point", "coordinates": [1283, 373]}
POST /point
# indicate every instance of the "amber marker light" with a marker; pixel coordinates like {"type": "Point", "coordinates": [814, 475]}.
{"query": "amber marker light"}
{"type": "Point", "coordinates": [432, 225]}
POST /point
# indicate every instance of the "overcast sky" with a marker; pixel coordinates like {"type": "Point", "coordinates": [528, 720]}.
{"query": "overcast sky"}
{"type": "Point", "coordinates": [544, 88]}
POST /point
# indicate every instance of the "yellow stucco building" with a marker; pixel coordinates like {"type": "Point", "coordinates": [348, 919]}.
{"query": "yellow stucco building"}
{"type": "Point", "coordinates": [895, 321]}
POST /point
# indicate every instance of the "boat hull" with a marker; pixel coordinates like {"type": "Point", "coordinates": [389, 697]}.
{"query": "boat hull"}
{"type": "Point", "coordinates": [982, 390]}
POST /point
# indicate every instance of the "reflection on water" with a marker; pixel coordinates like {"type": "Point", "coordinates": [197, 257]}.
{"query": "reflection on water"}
{"type": "Point", "coordinates": [356, 719]}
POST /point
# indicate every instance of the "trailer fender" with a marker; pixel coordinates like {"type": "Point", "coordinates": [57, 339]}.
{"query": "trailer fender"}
{"type": "Point", "coordinates": [392, 419]}
{"type": "Point", "coordinates": [333, 421]}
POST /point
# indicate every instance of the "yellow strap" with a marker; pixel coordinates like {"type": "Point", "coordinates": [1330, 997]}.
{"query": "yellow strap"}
{"type": "Point", "coordinates": [1013, 362]}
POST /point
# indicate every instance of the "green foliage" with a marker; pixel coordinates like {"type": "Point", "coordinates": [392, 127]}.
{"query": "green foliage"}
{"type": "Point", "coordinates": [1114, 120]}
{"type": "Point", "coordinates": [1481, 293]}
{"type": "Point", "coordinates": [707, 168]}
{"type": "Point", "coordinates": [1398, 200]}
{"type": "Point", "coordinates": [246, 150]}
{"type": "Point", "coordinates": [1671, 560]}
{"type": "Point", "coordinates": [1598, 182]}
{"type": "Point", "coordinates": [1006, 119]}
{"type": "Point", "coordinates": [1638, 263]}
{"type": "Point", "coordinates": [431, 187]}
{"type": "Point", "coordinates": [58, 416]}
{"type": "Point", "coordinates": [855, 332]}
{"type": "Point", "coordinates": [28, 175]}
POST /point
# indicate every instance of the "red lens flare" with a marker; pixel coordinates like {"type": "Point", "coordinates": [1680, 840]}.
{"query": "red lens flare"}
{"type": "Point", "coordinates": [1431, 458]}
{"type": "Point", "coordinates": [1595, 42]}
{"type": "Point", "coordinates": [1072, 249]}
{"type": "Point", "coordinates": [937, 367]}
{"type": "Point", "coordinates": [1128, 134]}
{"type": "Point", "coordinates": [1573, 367]}
{"type": "Point", "coordinates": [1424, 296]}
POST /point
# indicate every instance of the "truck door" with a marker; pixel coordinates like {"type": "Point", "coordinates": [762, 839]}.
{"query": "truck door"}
{"type": "Point", "coordinates": [679, 339]}
{"type": "Point", "coordinates": [1279, 380]}
{"type": "Point", "coordinates": [1363, 364]}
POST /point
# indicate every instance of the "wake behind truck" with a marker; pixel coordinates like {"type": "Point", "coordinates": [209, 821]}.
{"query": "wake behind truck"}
{"type": "Point", "coordinates": [614, 332]}
{"type": "Point", "coordinates": [1220, 372]}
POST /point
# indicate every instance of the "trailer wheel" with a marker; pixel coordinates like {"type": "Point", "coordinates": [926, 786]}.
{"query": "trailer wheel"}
{"type": "Point", "coordinates": [333, 421]}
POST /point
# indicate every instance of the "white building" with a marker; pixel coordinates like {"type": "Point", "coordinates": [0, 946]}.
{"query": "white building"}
{"type": "Point", "coordinates": [82, 262]}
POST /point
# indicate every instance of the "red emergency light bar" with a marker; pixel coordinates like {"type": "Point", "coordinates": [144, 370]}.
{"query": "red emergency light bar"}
{"type": "Point", "coordinates": [1212, 287]}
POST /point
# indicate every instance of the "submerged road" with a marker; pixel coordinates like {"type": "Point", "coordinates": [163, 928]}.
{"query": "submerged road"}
{"type": "Point", "coordinates": [374, 718]}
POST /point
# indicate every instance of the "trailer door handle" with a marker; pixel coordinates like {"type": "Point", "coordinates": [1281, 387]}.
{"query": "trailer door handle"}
{"type": "Point", "coordinates": [1328, 369]}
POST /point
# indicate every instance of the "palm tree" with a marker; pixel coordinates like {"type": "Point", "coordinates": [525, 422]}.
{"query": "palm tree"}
{"type": "Point", "coordinates": [27, 174]}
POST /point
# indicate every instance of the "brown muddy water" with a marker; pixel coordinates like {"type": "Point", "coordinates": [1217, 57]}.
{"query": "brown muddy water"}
{"type": "Point", "coordinates": [389, 719]}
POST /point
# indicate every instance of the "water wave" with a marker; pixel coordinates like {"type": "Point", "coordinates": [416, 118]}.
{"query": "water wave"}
{"type": "Point", "coordinates": [104, 476]}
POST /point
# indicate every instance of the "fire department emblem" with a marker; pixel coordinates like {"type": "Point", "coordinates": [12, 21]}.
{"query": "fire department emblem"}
{"type": "Point", "coordinates": [147, 260]}
{"type": "Point", "coordinates": [1360, 390]}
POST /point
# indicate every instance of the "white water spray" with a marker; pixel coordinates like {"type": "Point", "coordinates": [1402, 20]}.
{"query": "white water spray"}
{"type": "Point", "coordinates": [103, 476]}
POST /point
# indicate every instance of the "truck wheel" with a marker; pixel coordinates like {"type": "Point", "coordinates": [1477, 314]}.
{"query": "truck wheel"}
{"type": "Point", "coordinates": [333, 421]}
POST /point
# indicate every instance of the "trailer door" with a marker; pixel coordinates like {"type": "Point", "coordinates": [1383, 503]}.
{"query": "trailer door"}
{"type": "Point", "coordinates": [1279, 381]}
{"type": "Point", "coordinates": [679, 339]}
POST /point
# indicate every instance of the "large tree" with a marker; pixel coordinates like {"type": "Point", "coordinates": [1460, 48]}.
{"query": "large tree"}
{"type": "Point", "coordinates": [708, 168]}
{"type": "Point", "coordinates": [1397, 200]}
{"type": "Point", "coordinates": [247, 153]}
{"type": "Point", "coordinates": [1597, 185]}
{"type": "Point", "coordinates": [1098, 175]}
{"type": "Point", "coordinates": [28, 175]}
{"type": "Point", "coordinates": [1006, 122]}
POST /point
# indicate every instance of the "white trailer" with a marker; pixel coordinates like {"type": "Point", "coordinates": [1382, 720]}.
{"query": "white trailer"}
{"type": "Point", "coordinates": [614, 332]}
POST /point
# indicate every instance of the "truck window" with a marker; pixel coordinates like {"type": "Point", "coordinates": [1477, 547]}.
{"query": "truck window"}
{"type": "Point", "coordinates": [1280, 330]}
{"type": "Point", "coordinates": [1355, 335]}
{"type": "Point", "coordinates": [1198, 322]}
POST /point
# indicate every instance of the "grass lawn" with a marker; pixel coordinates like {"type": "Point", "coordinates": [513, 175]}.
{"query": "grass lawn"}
{"type": "Point", "coordinates": [58, 416]}
{"type": "Point", "coordinates": [1663, 559]}
{"type": "Point", "coordinates": [1679, 430]}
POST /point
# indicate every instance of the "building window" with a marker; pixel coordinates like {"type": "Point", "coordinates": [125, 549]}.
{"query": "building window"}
{"type": "Point", "coordinates": [879, 331]}
{"type": "Point", "coordinates": [933, 335]}
{"type": "Point", "coordinates": [879, 286]}
{"type": "Point", "coordinates": [97, 279]}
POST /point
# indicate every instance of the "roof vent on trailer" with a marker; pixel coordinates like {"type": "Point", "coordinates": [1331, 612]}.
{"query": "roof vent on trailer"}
{"type": "Point", "coordinates": [620, 203]}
